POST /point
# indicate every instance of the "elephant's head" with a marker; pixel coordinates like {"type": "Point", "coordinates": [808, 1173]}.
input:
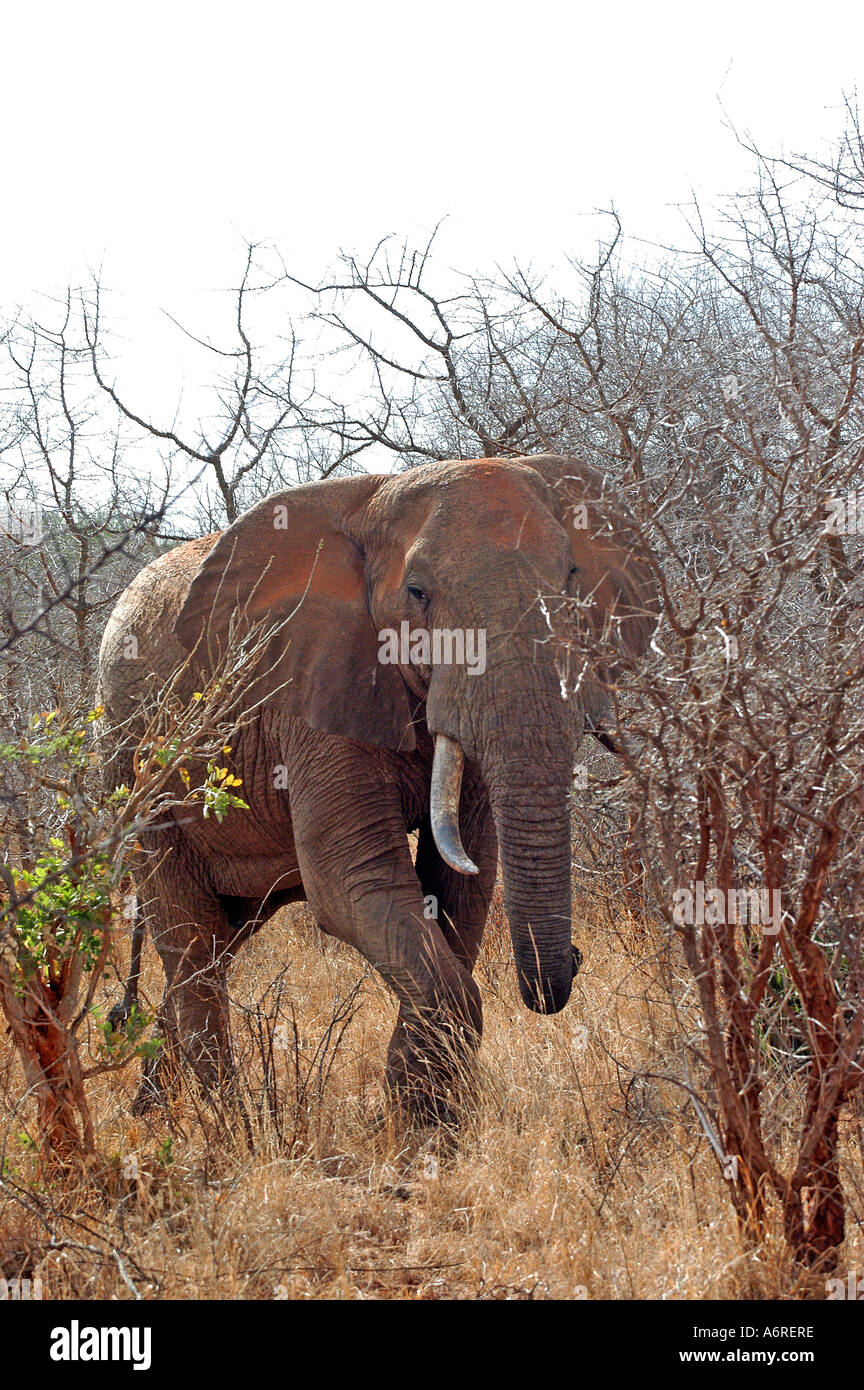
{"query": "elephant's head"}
{"type": "Point", "coordinates": [486, 559]}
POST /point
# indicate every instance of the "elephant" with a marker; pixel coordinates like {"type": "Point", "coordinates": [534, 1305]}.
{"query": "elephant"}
{"type": "Point", "coordinates": [375, 738]}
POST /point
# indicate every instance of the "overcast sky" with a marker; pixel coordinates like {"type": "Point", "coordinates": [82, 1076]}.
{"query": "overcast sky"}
{"type": "Point", "coordinates": [151, 140]}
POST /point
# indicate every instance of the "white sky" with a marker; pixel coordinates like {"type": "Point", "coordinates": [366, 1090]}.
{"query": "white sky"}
{"type": "Point", "coordinates": [151, 139]}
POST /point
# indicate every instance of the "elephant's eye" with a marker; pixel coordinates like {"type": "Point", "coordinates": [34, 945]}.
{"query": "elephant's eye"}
{"type": "Point", "coordinates": [416, 592]}
{"type": "Point", "coordinates": [573, 579]}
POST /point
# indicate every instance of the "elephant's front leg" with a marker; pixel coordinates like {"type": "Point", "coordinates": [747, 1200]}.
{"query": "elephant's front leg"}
{"type": "Point", "coordinates": [362, 887]}
{"type": "Point", "coordinates": [459, 903]}
{"type": "Point", "coordinates": [430, 1060]}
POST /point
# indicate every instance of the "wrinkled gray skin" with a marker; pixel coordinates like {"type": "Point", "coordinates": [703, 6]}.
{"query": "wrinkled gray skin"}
{"type": "Point", "coordinates": [458, 545]}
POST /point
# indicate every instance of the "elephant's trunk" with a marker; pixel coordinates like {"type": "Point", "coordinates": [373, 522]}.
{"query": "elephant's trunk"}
{"type": "Point", "coordinates": [516, 727]}
{"type": "Point", "coordinates": [532, 821]}
{"type": "Point", "coordinates": [526, 766]}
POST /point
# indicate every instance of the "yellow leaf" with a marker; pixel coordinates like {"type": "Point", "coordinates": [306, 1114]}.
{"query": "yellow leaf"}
{"type": "Point", "coordinates": [198, 695]}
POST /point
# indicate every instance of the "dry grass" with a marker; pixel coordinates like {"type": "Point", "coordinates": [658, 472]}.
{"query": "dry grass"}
{"type": "Point", "coordinates": [571, 1180]}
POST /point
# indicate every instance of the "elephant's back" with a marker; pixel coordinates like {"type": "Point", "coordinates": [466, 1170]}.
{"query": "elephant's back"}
{"type": "Point", "coordinates": [139, 649]}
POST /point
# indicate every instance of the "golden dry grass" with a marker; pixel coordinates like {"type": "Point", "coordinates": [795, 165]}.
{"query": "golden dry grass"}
{"type": "Point", "coordinates": [571, 1179]}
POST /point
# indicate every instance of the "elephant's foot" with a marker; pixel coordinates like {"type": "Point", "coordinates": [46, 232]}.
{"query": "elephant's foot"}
{"type": "Point", "coordinates": [150, 1096]}
{"type": "Point", "coordinates": [158, 1085]}
{"type": "Point", "coordinates": [158, 1080]}
{"type": "Point", "coordinates": [121, 1013]}
{"type": "Point", "coordinates": [426, 1093]}
{"type": "Point", "coordinates": [416, 1109]}
{"type": "Point", "coordinates": [426, 1141]}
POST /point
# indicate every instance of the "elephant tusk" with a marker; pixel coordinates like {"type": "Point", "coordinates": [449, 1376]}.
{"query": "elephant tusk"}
{"type": "Point", "coordinates": [444, 804]}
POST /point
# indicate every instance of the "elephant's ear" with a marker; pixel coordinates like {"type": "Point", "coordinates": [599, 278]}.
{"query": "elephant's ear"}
{"type": "Point", "coordinates": [288, 580]}
{"type": "Point", "coordinates": [615, 575]}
